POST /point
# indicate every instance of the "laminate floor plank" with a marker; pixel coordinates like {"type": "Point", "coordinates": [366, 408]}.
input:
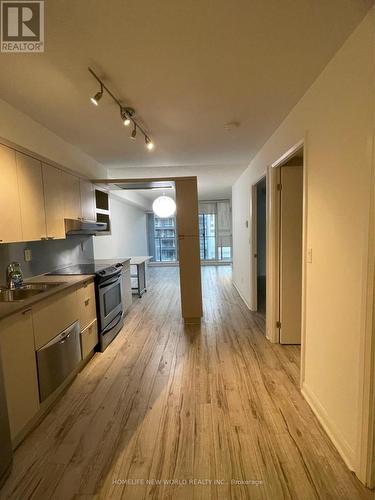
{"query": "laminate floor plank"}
{"type": "Point", "coordinates": [170, 411]}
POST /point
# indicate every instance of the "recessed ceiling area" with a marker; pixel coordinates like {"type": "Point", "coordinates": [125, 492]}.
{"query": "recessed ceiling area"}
{"type": "Point", "coordinates": [210, 80]}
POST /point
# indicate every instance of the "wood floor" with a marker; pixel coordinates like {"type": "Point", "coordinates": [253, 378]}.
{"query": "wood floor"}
{"type": "Point", "coordinates": [217, 405]}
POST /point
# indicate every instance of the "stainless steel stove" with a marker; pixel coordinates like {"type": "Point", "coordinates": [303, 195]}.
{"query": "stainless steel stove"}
{"type": "Point", "coordinates": [108, 290]}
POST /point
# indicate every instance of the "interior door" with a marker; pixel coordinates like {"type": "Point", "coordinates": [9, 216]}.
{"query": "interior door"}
{"type": "Point", "coordinates": [291, 215]}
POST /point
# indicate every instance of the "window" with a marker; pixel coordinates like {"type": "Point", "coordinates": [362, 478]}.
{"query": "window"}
{"type": "Point", "coordinates": [215, 230]}
{"type": "Point", "coordinates": [215, 234]}
{"type": "Point", "coordinates": [162, 239]}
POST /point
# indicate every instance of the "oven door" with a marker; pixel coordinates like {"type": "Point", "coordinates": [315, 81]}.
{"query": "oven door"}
{"type": "Point", "coordinates": [110, 300]}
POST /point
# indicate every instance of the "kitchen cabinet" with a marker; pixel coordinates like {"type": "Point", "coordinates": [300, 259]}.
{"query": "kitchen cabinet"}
{"type": "Point", "coordinates": [127, 296]}
{"type": "Point", "coordinates": [53, 201]}
{"type": "Point", "coordinates": [53, 315]}
{"type": "Point", "coordinates": [20, 372]}
{"type": "Point", "coordinates": [72, 196]}
{"type": "Point", "coordinates": [33, 216]}
{"type": "Point", "coordinates": [89, 338]}
{"type": "Point", "coordinates": [87, 200]}
{"type": "Point", "coordinates": [86, 304]}
{"type": "Point", "coordinates": [10, 227]}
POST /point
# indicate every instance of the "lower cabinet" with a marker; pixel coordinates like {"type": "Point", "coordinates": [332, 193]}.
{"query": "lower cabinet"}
{"type": "Point", "coordinates": [86, 304]}
{"type": "Point", "coordinates": [53, 315]}
{"type": "Point", "coordinates": [19, 367]}
{"type": "Point", "coordinates": [26, 332]}
{"type": "Point", "coordinates": [89, 338]}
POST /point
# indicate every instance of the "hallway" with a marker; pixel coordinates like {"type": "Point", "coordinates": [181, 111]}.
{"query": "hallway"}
{"type": "Point", "coordinates": [164, 402]}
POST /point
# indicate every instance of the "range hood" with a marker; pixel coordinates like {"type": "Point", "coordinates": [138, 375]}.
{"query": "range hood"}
{"type": "Point", "coordinates": [84, 227]}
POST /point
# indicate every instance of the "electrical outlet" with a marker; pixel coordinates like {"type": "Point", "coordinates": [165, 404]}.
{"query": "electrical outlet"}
{"type": "Point", "coordinates": [27, 254]}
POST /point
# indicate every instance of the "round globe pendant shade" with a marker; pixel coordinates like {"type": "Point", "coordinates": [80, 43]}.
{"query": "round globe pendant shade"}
{"type": "Point", "coordinates": [164, 206]}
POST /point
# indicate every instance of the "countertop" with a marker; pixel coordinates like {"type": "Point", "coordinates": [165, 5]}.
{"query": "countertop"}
{"type": "Point", "coordinates": [9, 308]}
{"type": "Point", "coordinates": [112, 262]}
{"type": "Point", "coordinates": [67, 281]}
{"type": "Point", "coordinates": [136, 261]}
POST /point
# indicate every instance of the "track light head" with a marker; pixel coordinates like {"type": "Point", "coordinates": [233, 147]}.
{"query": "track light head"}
{"type": "Point", "coordinates": [149, 144]}
{"type": "Point", "coordinates": [134, 132]}
{"type": "Point", "coordinates": [95, 100]}
{"type": "Point", "coordinates": [125, 117]}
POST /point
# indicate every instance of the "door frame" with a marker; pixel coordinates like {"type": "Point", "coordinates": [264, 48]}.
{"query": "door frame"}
{"type": "Point", "coordinates": [273, 247]}
{"type": "Point", "coordinates": [366, 404]}
{"type": "Point", "coordinates": [254, 239]}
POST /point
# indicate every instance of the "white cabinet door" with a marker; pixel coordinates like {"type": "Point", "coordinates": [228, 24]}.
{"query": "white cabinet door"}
{"type": "Point", "coordinates": [19, 368]}
{"type": "Point", "coordinates": [72, 196]}
{"type": "Point", "coordinates": [10, 227]}
{"type": "Point", "coordinates": [54, 201]}
{"type": "Point", "coordinates": [33, 215]}
{"type": "Point", "coordinates": [87, 200]}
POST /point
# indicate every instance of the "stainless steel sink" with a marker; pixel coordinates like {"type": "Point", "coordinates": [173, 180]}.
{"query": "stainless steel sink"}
{"type": "Point", "coordinates": [26, 291]}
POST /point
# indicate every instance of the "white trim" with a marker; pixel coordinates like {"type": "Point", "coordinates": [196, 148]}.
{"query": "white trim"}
{"type": "Point", "coordinates": [344, 449]}
{"type": "Point", "coordinates": [242, 297]}
{"type": "Point", "coordinates": [288, 154]}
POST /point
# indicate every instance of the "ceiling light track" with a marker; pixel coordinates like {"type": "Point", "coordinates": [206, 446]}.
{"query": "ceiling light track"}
{"type": "Point", "coordinates": [127, 114]}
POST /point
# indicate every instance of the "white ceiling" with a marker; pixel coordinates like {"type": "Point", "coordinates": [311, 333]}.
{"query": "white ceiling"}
{"type": "Point", "coordinates": [186, 67]}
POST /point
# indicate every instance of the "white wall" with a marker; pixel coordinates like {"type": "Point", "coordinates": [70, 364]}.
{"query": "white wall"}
{"type": "Point", "coordinates": [334, 117]}
{"type": "Point", "coordinates": [128, 238]}
{"type": "Point", "coordinates": [22, 130]}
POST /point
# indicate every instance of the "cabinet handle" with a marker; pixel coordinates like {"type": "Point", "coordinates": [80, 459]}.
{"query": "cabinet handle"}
{"type": "Point", "coordinates": [26, 311]}
{"type": "Point", "coordinates": [43, 238]}
{"type": "Point", "coordinates": [87, 302]}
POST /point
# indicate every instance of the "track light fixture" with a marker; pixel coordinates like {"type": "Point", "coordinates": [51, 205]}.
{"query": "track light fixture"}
{"type": "Point", "coordinates": [134, 132]}
{"type": "Point", "coordinates": [95, 100]}
{"type": "Point", "coordinates": [127, 114]}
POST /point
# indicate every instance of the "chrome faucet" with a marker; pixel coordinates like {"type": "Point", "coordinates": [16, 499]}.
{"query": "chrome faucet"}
{"type": "Point", "coordinates": [14, 275]}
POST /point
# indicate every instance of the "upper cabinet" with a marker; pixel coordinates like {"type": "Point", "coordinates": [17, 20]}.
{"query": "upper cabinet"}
{"type": "Point", "coordinates": [36, 197]}
{"type": "Point", "coordinates": [53, 201]}
{"type": "Point", "coordinates": [33, 217]}
{"type": "Point", "coordinates": [10, 227]}
{"type": "Point", "coordinates": [72, 196]}
{"type": "Point", "coordinates": [87, 200]}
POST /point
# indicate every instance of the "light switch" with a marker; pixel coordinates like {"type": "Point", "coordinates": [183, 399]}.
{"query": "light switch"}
{"type": "Point", "coordinates": [27, 254]}
{"type": "Point", "coordinates": [309, 256]}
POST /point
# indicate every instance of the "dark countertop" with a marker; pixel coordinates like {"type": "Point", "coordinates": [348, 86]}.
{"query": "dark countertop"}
{"type": "Point", "coordinates": [67, 281]}
{"type": "Point", "coordinates": [9, 308]}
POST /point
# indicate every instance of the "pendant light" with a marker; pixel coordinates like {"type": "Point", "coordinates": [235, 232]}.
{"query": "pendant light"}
{"type": "Point", "coordinates": [164, 206]}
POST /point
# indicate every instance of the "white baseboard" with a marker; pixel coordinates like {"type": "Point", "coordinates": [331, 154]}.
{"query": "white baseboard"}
{"type": "Point", "coordinates": [345, 450]}
{"type": "Point", "coordinates": [240, 294]}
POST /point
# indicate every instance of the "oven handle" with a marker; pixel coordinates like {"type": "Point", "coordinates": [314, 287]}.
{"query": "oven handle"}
{"type": "Point", "coordinates": [109, 284]}
{"type": "Point", "coordinates": [110, 326]}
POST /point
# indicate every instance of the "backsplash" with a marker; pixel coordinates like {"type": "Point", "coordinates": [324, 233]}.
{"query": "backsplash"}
{"type": "Point", "coordinates": [46, 255]}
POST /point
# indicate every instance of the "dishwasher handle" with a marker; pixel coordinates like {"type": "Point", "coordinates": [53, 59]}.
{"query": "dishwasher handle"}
{"type": "Point", "coordinates": [62, 337]}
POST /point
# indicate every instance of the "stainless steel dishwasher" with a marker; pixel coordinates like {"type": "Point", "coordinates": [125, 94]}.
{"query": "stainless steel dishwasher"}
{"type": "Point", "coordinates": [57, 359]}
{"type": "Point", "coordinates": [5, 443]}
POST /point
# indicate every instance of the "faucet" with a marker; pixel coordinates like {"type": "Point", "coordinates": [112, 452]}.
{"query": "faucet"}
{"type": "Point", "coordinates": [14, 275]}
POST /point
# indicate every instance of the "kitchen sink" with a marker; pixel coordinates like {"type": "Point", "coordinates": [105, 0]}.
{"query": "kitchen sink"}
{"type": "Point", "coordinates": [26, 291]}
